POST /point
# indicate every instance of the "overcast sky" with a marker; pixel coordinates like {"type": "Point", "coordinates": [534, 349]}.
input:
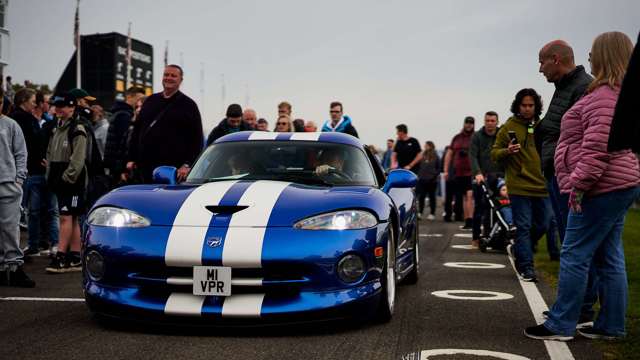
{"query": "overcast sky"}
{"type": "Point", "coordinates": [427, 64]}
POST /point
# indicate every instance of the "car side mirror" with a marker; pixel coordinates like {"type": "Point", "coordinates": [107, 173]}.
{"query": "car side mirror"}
{"type": "Point", "coordinates": [400, 178]}
{"type": "Point", "coordinates": [165, 175]}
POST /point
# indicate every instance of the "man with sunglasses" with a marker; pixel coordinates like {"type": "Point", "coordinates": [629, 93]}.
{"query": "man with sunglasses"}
{"type": "Point", "coordinates": [339, 122]}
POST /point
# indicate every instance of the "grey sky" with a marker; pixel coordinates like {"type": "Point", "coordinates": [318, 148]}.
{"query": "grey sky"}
{"type": "Point", "coordinates": [424, 63]}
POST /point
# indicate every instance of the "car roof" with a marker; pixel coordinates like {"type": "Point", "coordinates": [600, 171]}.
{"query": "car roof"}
{"type": "Point", "coordinates": [331, 137]}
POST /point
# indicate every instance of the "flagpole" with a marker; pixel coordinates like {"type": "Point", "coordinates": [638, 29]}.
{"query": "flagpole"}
{"type": "Point", "coordinates": [128, 58]}
{"type": "Point", "coordinates": [78, 45]}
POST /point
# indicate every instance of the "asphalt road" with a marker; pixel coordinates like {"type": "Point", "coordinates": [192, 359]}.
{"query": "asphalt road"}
{"type": "Point", "coordinates": [423, 321]}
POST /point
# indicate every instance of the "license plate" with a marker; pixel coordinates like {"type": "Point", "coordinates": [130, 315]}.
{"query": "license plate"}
{"type": "Point", "coordinates": [212, 280]}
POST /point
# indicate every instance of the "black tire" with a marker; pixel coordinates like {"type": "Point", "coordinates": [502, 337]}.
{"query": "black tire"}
{"type": "Point", "coordinates": [387, 302]}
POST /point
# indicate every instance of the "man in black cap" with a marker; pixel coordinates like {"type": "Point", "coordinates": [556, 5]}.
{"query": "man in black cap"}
{"type": "Point", "coordinates": [230, 124]}
{"type": "Point", "coordinates": [168, 130]}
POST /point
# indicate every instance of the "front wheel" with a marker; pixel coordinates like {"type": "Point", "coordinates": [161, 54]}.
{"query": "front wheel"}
{"type": "Point", "coordinates": [388, 295]}
{"type": "Point", "coordinates": [413, 276]}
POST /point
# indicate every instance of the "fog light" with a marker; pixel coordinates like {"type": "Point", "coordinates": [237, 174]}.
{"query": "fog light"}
{"type": "Point", "coordinates": [95, 265]}
{"type": "Point", "coordinates": [350, 268]}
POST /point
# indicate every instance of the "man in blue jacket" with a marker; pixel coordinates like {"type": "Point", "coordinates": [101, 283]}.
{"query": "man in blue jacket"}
{"type": "Point", "coordinates": [339, 122]}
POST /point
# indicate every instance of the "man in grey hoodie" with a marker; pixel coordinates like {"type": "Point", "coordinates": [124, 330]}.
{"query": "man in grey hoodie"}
{"type": "Point", "coordinates": [13, 173]}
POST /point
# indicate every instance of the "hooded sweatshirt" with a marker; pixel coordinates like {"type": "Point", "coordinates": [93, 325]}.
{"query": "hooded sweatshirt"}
{"type": "Point", "coordinates": [343, 126]}
{"type": "Point", "coordinates": [523, 169]}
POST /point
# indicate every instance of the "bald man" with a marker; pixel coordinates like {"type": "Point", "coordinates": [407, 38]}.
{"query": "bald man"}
{"type": "Point", "coordinates": [250, 117]}
{"type": "Point", "coordinates": [558, 66]}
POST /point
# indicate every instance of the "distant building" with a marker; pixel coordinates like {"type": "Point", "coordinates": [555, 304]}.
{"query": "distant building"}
{"type": "Point", "coordinates": [4, 37]}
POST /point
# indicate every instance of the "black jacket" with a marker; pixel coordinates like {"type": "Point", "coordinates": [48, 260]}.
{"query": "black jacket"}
{"type": "Point", "coordinates": [223, 129]}
{"type": "Point", "coordinates": [168, 132]}
{"type": "Point", "coordinates": [625, 128]}
{"type": "Point", "coordinates": [568, 91]}
{"type": "Point", "coordinates": [34, 138]}
{"type": "Point", "coordinates": [480, 153]}
{"type": "Point", "coordinates": [115, 148]}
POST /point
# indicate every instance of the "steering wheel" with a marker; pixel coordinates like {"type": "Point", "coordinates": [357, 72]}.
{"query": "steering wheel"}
{"type": "Point", "coordinates": [341, 175]}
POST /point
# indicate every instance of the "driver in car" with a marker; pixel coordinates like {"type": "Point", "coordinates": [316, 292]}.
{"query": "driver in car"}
{"type": "Point", "coordinates": [331, 161]}
{"type": "Point", "coordinates": [239, 164]}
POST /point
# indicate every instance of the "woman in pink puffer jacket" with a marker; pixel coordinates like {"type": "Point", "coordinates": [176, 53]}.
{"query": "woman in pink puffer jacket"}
{"type": "Point", "coordinates": [601, 188]}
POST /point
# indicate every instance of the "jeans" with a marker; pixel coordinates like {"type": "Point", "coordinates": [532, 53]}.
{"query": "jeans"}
{"type": "Point", "coordinates": [559, 205]}
{"type": "Point", "coordinates": [594, 239]}
{"type": "Point", "coordinates": [451, 194]}
{"type": "Point", "coordinates": [531, 218]}
{"type": "Point", "coordinates": [43, 212]}
{"type": "Point", "coordinates": [552, 238]}
{"type": "Point", "coordinates": [424, 188]}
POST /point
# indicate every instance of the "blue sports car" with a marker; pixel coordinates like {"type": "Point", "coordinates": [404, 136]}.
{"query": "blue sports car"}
{"type": "Point", "coordinates": [268, 227]}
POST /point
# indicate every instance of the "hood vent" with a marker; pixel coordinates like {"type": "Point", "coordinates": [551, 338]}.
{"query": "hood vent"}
{"type": "Point", "coordinates": [225, 210]}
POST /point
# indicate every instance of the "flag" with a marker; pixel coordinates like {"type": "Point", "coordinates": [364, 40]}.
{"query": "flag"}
{"type": "Point", "coordinates": [166, 54]}
{"type": "Point", "coordinates": [76, 26]}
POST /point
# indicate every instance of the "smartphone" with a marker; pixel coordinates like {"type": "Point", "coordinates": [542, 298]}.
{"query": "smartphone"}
{"type": "Point", "coordinates": [512, 137]}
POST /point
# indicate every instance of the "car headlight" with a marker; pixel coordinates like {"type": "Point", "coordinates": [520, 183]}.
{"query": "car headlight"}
{"type": "Point", "coordinates": [116, 217]}
{"type": "Point", "coordinates": [339, 220]}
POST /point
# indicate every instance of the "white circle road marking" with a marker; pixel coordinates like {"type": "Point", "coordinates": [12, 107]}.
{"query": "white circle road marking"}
{"type": "Point", "coordinates": [430, 235]}
{"type": "Point", "coordinates": [464, 247]}
{"type": "Point", "coordinates": [426, 354]}
{"type": "Point", "coordinates": [473, 265]}
{"type": "Point", "coordinates": [462, 235]}
{"type": "Point", "coordinates": [491, 295]}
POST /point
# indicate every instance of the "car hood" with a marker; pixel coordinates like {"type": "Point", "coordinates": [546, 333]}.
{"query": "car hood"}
{"type": "Point", "coordinates": [243, 203]}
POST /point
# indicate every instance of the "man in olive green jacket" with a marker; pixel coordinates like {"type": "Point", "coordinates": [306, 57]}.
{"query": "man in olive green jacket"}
{"type": "Point", "coordinates": [67, 177]}
{"type": "Point", "coordinates": [515, 148]}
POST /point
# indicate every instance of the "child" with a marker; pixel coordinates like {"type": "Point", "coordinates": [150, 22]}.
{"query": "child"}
{"type": "Point", "coordinates": [504, 203]}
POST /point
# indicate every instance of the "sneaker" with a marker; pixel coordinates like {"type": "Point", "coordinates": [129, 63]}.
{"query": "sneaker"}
{"type": "Point", "coordinates": [58, 265]}
{"type": "Point", "coordinates": [528, 276]}
{"type": "Point", "coordinates": [19, 278]}
{"type": "Point", "coordinates": [53, 251]}
{"type": "Point", "coordinates": [29, 251]}
{"type": "Point", "coordinates": [475, 244]}
{"type": "Point", "coordinates": [540, 332]}
{"type": "Point", "coordinates": [74, 265]}
{"type": "Point", "coordinates": [430, 217]}
{"type": "Point", "coordinates": [590, 333]}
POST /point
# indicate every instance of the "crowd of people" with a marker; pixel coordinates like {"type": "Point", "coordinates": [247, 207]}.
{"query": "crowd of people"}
{"type": "Point", "coordinates": [561, 175]}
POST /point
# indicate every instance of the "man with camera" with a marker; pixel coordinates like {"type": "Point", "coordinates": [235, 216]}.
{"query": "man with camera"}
{"type": "Point", "coordinates": [458, 156]}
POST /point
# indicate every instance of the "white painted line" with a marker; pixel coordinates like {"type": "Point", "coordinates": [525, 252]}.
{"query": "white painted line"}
{"type": "Point", "coordinates": [462, 235]}
{"type": "Point", "coordinates": [426, 354]}
{"type": "Point", "coordinates": [558, 350]}
{"type": "Point", "coordinates": [491, 295]}
{"type": "Point", "coordinates": [20, 298]}
{"type": "Point", "coordinates": [464, 247]}
{"type": "Point", "coordinates": [474, 265]}
{"type": "Point", "coordinates": [430, 235]}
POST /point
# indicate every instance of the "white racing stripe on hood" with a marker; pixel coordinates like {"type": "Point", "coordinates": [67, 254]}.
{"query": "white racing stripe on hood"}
{"type": "Point", "coordinates": [184, 304]}
{"type": "Point", "coordinates": [263, 135]}
{"type": "Point", "coordinates": [184, 246]}
{"type": "Point", "coordinates": [243, 305]}
{"type": "Point", "coordinates": [243, 242]}
{"type": "Point", "coordinates": [308, 136]}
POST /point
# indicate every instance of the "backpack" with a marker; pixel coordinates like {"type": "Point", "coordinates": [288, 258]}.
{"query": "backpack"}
{"type": "Point", "coordinates": [99, 183]}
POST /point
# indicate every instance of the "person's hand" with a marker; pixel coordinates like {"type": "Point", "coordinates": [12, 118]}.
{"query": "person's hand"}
{"type": "Point", "coordinates": [575, 200]}
{"type": "Point", "coordinates": [513, 148]}
{"type": "Point", "coordinates": [479, 179]}
{"type": "Point", "coordinates": [44, 162]}
{"type": "Point", "coordinates": [124, 177]}
{"type": "Point", "coordinates": [445, 175]}
{"type": "Point", "coordinates": [407, 167]}
{"type": "Point", "coordinates": [322, 170]}
{"type": "Point", "coordinates": [182, 173]}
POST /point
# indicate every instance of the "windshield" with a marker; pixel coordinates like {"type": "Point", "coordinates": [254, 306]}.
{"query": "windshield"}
{"type": "Point", "coordinates": [305, 162]}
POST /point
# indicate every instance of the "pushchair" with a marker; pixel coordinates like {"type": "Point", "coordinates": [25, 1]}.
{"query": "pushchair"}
{"type": "Point", "coordinates": [497, 233]}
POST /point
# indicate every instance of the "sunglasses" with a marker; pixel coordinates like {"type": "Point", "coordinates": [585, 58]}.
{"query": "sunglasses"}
{"type": "Point", "coordinates": [281, 123]}
{"type": "Point", "coordinates": [334, 111]}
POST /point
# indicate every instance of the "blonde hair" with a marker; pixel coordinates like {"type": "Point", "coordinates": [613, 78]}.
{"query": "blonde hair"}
{"type": "Point", "coordinates": [610, 56]}
{"type": "Point", "coordinates": [289, 124]}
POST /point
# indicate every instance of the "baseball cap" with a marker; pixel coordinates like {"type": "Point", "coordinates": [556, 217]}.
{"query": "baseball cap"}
{"type": "Point", "coordinates": [469, 120]}
{"type": "Point", "coordinates": [65, 99]}
{"type": "Point", "coordinates": [81, 94]}
{"type": "Point", "coordinates": [234, 111]}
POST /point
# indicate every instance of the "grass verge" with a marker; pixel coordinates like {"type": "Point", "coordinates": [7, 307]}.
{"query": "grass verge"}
{"type": "Point", "coordinates": [630, 347]}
